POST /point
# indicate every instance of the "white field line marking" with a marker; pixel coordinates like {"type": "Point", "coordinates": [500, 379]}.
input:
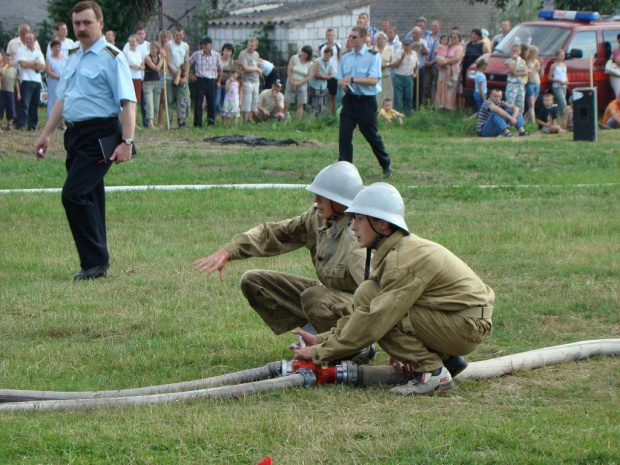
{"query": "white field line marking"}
{"type": "Point", "coordinates": [181, 187]}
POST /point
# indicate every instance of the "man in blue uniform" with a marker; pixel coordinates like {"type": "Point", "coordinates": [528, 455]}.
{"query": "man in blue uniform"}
{"type": "Point", "coordinates": [359, 76]}
{"type": "Point", "coordinates": [95, 86]}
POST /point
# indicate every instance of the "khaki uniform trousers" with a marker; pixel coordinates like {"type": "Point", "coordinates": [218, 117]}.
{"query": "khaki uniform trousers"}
{"type": "Point", "coordinates": [424, 337]}
{"type": "Point", "coordinates": [285, 301]}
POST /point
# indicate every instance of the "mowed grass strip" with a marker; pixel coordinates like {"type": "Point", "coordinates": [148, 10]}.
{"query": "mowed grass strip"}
{"type": "Point", "coordinates": [551, 254]}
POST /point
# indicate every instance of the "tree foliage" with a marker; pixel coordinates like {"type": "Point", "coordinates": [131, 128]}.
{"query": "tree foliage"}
{"type": "Point", "coordinates": [604, 7]}
{"type": "Point", "coordinates": [119, 15]}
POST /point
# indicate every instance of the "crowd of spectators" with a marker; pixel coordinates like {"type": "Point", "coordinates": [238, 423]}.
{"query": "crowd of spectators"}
{"type": "Point", "coordinates": [421, 67]}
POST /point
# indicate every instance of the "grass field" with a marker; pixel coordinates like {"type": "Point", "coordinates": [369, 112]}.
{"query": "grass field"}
{"type": "Point", "coordinates": [546, 238]}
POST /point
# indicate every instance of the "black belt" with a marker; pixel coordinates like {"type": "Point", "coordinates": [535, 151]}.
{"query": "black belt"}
{"type": "Point", "coordinates": [90, 122]}
{"type": "Point", "coordinates": [361, 97]}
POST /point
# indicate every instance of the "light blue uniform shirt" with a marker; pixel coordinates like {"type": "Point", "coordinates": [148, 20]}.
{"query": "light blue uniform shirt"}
{"type": "Point", "coordinates": [94, 83]}
{"type": "Point", "coordinates": [366, 63]}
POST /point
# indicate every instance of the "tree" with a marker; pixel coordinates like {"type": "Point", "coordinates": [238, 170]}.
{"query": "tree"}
{"type": "Point", "coordinates": [604, 7]}
{"type": "Point", "coordinates": [119, 15]}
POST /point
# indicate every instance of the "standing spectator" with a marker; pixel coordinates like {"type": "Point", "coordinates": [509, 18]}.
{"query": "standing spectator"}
{"type": "Point", "coordinates": [485, 39]}
{"type": "Point", "coordinates": [176, 80]}
{"type": "Point", "coordinates": [164, 37]}
{"type": "Point", "coordinates": [332, 84]}
{"type": "Point", "coordinates": [110, 37]}
{"type": "Point", "coordinates": [322, 72]}
{"type": "Point", "coordinates": [66, 44]}
{"type": "Point", "coordinates": [143, 47]}
{"type": "Point", "coordinates": [208, 78]}
{"type": "Point", "coordinates": [230, 107]}
{"type": "Point", "coordinates": [532, 88]}
{"type": "Point", "coordinates": [90, 108]}
{"type": "Point", "coordinates": [446, 96]}
{"type": "Point", "coordinates": [405, 66]}
{"type": "Point", "coordinates": [250, 72]}
{"type": "Point", "coordinates": [387, 57]}
{"type": "Point", "coordinates": [9, 90]}
{"type": "Point", "coordinates": [359, 76]}
{"type": "Point", "coordinates": [393, 40]}
{"type": "Point", "coordinates": [271, 103]}
{"type": "Point", "coordinates": [420, 46]}
{"type": "Point", "coordinates": [299, 72]}
{"type": "Point", "coordinates": [558, 76]}
{"type": "Point", "coordinates": [54, 69]}
{"type": "Point", "coordinates": [421, 23]}
{"type": "Point", "coordinates": [385, 25]}
{"type": "Point", "coordinates": [228, 51]}
{"type": "Point", "coordinates": [135, 60]}
{"type": "Point", "coordinates": [615, 58]}
{"type": "Point", "coordinates": [516, 74]}
{"type": "Point", "coordinates": [474, 50]}
{"type": "Point", "coordinates": [153, 64]}
{"type": "Point", "coordinates": [495, 116]}
{"type": "Point", "coordinates": [431, 70]}
{"type": "Point", "coordinates": [480, 84]}
{"type": "Point", "coordinates": [20, 41]}
{"type": "Point", "coordinates": [30, 61]}
{"type": "Point", "coordinates": [505, 28]}
{"type": "Point", "coordinates": [363, 20]}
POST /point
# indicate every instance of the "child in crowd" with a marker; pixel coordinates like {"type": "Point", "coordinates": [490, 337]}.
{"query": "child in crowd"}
{"type": "Point", "coordinates": [532, 88]}
{"type": "Point", "coordinates": [441, 54]}
{"type": "Point", "coordinates": [558, 77]}
{"type": "Point", "coordinates": [230, 108]}
{"type": "Point", "coordinates": [388, 114]}
{"type": "Point", "coordinates": [9, 89]}
{"type": "Point", "coordinates": [480, 81]}
{"type": "Point", "coordinates": [515, 88]}
{"type": "Point", "coordinates": [548, 117]}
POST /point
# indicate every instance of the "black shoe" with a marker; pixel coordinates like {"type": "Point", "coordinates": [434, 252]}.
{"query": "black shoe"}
{"type": "Point", "coordinates": [92, 273]}
{"type": "Point", "coordinates": [387, 172]}
{"type": "Point", "coordinates": [455, 364]}
{"type": "Point", "coordinates": [524, 133]}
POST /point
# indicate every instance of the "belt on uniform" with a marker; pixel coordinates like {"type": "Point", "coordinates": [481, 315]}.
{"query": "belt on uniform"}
{"type": "Point", "coordinates": [89, 122]}
{"type": "Point", "coordinates": [361, 97]}
{"type": "Point", "coordinates": [477, 312]}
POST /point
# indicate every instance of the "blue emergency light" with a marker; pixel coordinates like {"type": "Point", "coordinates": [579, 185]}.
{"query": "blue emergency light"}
{"type": "Point", "coordinates": [584, 16]}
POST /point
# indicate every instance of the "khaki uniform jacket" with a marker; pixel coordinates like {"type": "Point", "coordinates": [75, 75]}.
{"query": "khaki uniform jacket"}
{"type": "Point", "coordinates": [411, 272]}
{"type": "Point", "coordinates": [343, 270]}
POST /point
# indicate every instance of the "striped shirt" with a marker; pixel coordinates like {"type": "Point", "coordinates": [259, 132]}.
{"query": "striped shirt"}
{"type": "Point", "coordinates": [485, 112]}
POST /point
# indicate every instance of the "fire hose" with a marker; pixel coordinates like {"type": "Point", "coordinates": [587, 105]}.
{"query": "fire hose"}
{"type": "Point", "coordinates": [292, 374]}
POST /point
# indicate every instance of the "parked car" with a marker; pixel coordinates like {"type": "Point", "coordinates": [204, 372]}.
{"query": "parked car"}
{"type": "Point", "coordinates": [579, 34]}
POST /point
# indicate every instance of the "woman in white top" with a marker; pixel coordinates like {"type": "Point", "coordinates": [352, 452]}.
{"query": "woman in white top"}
{"type": "Point", "coordinates": [387, 57]}
{"type": "Point", "coordinates": [299, 73]}
{"type": "Point", "coordinates": [136, 64]}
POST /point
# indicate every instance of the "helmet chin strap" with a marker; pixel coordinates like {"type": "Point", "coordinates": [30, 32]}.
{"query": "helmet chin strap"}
{"type": "Point", "coordinates": [374, 242]}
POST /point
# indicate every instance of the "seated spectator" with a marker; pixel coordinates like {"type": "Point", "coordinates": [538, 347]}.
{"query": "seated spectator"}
{"type": "Point", "coordinates": [388, 114]}
{"type": "Point", "coordinates": [611, 118]}
{"type": "Point", "coordinates": [271, 103]}
{"type": "Point", "coordinates": [496, 115]}
{"type": "Point", "coordinates": [547, 118]}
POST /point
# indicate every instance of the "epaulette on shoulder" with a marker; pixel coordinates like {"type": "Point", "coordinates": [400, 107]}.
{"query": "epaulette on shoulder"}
{"type": "Point", "coordinates": [112, 50]}
{"type": "Point", "coordinates": [373, 51]}
{"type": "Point", "coordinates": [73, 50]}
{"type": "Point", "coordinates": [348, 51]}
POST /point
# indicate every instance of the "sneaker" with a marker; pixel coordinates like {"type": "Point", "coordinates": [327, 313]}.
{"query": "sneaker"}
{"type": "Point", "coordinates": [508, 134]}
{"type": "Point", "coordinates": [425, 384]}
{"type": "Point", "coordinates": [455, 364]}
{"type": "Point", "coordinates": [524, 133]}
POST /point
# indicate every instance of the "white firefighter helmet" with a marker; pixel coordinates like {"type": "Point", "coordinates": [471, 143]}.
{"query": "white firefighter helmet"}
{"type": "Point", "coordinates": [383, 201]}
{"type": "Point", "coordinates": [339, 182]}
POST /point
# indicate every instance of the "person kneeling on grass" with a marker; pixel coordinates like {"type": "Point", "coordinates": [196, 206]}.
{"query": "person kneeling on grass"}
{"type": "Point", "coordinates": [547, 118]}
{"type": "Point", "coordinates": [611, 118]}
{"type": "Point", "coordinates": [496, 115]}
{"type": "Point", "coordinates": [285, 301]}
{"type": "Point", "coordinates": [422, 304]}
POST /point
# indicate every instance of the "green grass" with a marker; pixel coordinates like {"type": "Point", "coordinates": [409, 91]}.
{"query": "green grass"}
{"type": "Point", "coordinates": [551, 252]}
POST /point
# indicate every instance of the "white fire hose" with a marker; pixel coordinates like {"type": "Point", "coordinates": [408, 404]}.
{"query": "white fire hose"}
{"type": "Point", "coordinates": [254, 380]}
